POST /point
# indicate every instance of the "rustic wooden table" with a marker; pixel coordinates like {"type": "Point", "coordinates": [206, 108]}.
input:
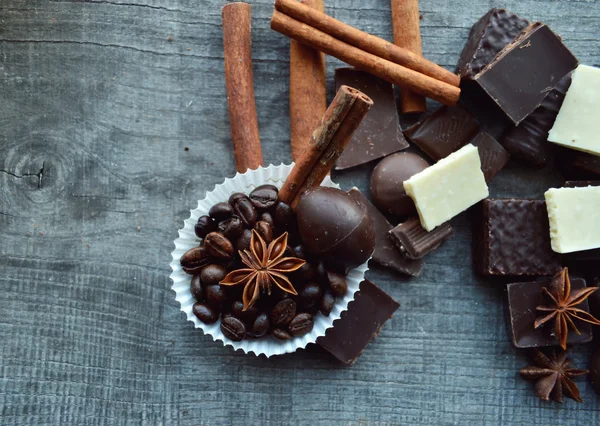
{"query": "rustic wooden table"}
{"type": "Point", "coordinates": [100, 101]}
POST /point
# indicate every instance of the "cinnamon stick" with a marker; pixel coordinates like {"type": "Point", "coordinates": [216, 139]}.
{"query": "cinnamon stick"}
{"type": "Point", "coordinates": [396, 74]}
{"type": "Point", "coordinates": [364, 41]}
{"type": "Point", "coordinates": [328, 141]}
{"type": "Point", "coordinates": [308, 97]}
{"type": "Point", "coordinates": [407, 34]}
{"type": "Point", "coordinates": [240, 86]}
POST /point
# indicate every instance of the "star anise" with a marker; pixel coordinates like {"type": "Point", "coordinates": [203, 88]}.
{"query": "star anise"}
{"type": "Point", "coordinates": [564, 307]}
{"type": "Point", "coordinates": [266, 266]}
{"type": "Point", "coordinates": [553, 376]}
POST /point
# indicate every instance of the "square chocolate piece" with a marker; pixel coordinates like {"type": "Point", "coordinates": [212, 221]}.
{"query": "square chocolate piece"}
{"type": "Point", "coordinates": [414, 241]}
{"type": "Point", "coordinates": [493, 155]}
{"type": "Point", "coordinates": [525, 71]}
{"type": "Point", "coordinates": [359, 324]}
{"type": "Point", "coordinates": [512, 237]}
{"type": "Point", "coordinates": [523, 298]}
{"type": "Point", "coordinates": [379, 134]}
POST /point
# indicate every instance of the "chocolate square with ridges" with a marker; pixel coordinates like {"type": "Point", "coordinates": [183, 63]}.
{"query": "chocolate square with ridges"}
{"type": "Point", "coordinates": [487, 37]}
{"type": "Point", "coordinates": [493, 155]}
{"type": "Point", "coordinates": [512, 237]}
{"type": "Point", "coordinates": [414, 241]}
{"type": "Point", "coordinates": [443, 132]}
{"type": "Point", "coordinates": [523, 298]}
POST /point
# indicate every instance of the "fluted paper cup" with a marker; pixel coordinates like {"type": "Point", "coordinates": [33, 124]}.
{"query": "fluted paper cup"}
{"type": "Point", "coordinates": [268, 345]}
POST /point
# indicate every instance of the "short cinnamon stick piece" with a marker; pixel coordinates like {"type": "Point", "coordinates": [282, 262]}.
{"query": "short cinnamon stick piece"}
{"type": "Point", "coordinates": [308, 96]}
{"type": "Point", "coordinates": [328, 141]}
{"type": "Point", "coordinates": [396, 74]}
{"type": "Point", "coordinates": [240, 86]}
{"type": "Point", "coordinates": [407, 34]}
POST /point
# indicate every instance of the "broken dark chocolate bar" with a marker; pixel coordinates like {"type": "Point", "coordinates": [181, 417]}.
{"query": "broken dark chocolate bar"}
{"type": "Point", "coordinates": [386, 254]}
{"type": "Point", "coordinates": [523, 298]}
{"type": "Point", "coordinates": [578, 165]}
{"type": "Point", "coordinates": [528, 141]}
{"type": "Point", "coordinates": [487, 37]}
{"type": "Point", "coordinates": [359, 324]}
{"type": "Point", "coordinates": [443, 132]}
{"type": "Point", "coordinates": [493, 156]}
{"type": "Point", "coordinates": [512, 237]}
{"type": "Point", "coordinates": [525, 71]}
{"type": "Point", "coordinates": [414, 241]}
{"type": "Point", "coordinates": [379, 134]}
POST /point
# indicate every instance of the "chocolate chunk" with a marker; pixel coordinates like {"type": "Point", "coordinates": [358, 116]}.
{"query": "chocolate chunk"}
{"type": "Point", "coordinates": [359, 324]}
{"type": "Point", "coordinates": [525, 71]}
{"type": "Point", "coordinates": [528, 141]}
{"type": "Point", "coordinates": [512, 237]}
{"type": "Point", "coordinates": [595, 370]}
{"type": "Point", "coordinates": [379, 133]}
{"type": "Point", "coordinates": [488, 36]}
{"type": "Point", "coordinates": [443, 132]}
{"type": "Point", "coordinates": [386, 254]}
{"type": "Point", "coordinates": [523, 298]}
{"type": "Point", "coordinates": [578, 165]}
{"type": "Point", "coordinates": [493, 156]}
{"type": "Point", "coordinates": [584, 263]}
{"type": "Point", "coordinates": [581, 183]}
{"type": "Point", "coordinates": [387, 183]}
{"type": "Point", "coordinates": [414, 241]}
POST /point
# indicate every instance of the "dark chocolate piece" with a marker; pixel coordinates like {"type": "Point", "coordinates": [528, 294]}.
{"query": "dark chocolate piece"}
{"type": "Point", "coordinates": [595, 370]}
{"type": "Point", "coordinates": [512, 237]}
{"type": "Point", "coordinates": [493, 156]}
{"type": "Point", "coordinates": [387, 181]}
{"type": "Point", "coordinates": [584, 263]}
{"type": "Point", "coordinates": [578, 165]}
{"type": "Point", "coordinates": [359, 324]}
{"type": "Point", "coordinates": [488, 36]}
{"type": "Point", "coordinates": [523, 298]}
{"type": "Point", "coordinates": [335, 226]}
{"type": "Point", "coordinates": [379, 134]}
{"type": "Point", "coordinates": [414, 241]}
{"type": "Point", "coordinates": [443, 132]}
{"type": "Point", "coordinates": [385, 252]}
{"type": "Point", "coordinates": [525, 71]}
{"type": "Point", "coordinates": [529, 140]}
{"type": "Point", "coordinates": [581, 183]}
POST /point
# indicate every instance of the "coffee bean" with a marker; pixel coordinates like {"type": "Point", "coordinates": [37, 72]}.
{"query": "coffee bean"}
{"type": "Point", "coordinates": [244, 209]}
{"type": "Point", "coordinates": [218, 246]}
{"type": "Point", "coordinates": [299, 252]}
{"type": "Point", "coordinates": [267, 217]}
{"type": "Point", "coordinates": [264, 230]}
{"type": "Point", "coordinates": [215, 295]}
{"type": "Point", "coordinates": [321, 274]}
{"type": "Point", "coordinates": [231, 228]}
{"type": "Point", "coordinates": [283, 312]}
{"type": "Point", "coordinates": [220, 211]}
{"type": "Point", "coordinates": [337, 284]}
{"type": "Point", "coordinates": [194, 260]}
{"type": "Point", "coordinates": [205, 313]}
{"type": "Point", "coordinates": [280, 334]}
{"type": "Point", "coordinates": [204, 226]}
{"type": "Point", "coordinates": [285, 218]}
{"type": "Point", "coordinates": [237, 196]}
{"type": "Point", "coordinates": [264, 197]}
{"type": "Point", "coordinates": [305, 273]}
{"type": "Point", "coordinates": [243, 242]}
{"type": "Point", "coordinates": [261, 325]}
{"type": "Point", "coordinates": [196, 288]}
{"type": "Point", "coordinates": [311, 295]}
{"type": "Point", "coordinates": [248, 316]}
{"type": "Point", "coordinates": [212, 274]}
{"type": "Point", "coordinates": [301, 324]}
{"type": "Point", "coordinates": [327, 303]}
{"type": "Point", "coordinates": [233, 328]}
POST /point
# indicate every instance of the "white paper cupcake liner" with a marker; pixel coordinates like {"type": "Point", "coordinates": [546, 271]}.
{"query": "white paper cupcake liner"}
{"type": "Point", "coordinates": [267, 346]}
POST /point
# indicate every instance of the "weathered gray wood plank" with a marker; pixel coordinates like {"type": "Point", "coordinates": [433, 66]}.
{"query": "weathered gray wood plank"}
{"type": "Point", "coordinates": [97, 108]}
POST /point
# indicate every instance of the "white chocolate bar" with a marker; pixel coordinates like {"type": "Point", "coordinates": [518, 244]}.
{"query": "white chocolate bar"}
{"type": "Point", "coordinates": [574, 218]}
{"type": "Point", "coordinates": [448, 188]}
{"type": "Point", "coordinates": [576, 124]}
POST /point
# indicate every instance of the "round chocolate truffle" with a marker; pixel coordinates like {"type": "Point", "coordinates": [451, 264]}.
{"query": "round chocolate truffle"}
{"type": "Point", "coordinates": [387, 179]}
{"type": "Point", "coordinates": [595, 370]}
{"type": "Point", "coordinates": [335, 227]}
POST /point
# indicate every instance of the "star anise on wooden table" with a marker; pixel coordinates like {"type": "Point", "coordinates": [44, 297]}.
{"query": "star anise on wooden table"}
{"type": "Point", "coordinates": [266, 266]}
{"type": "Point", "coordinates": [563, 308]}
{"type": "Point", "coordinates": [552, 376]}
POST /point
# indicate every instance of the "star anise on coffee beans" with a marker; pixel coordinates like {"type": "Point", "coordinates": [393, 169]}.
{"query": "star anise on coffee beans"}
{"type": "Point", "coordinates": [564, 307]}
{"type": "Point", "coordinates": [552, 376]}
{"type": "Point", "coordinates": [266, 266]}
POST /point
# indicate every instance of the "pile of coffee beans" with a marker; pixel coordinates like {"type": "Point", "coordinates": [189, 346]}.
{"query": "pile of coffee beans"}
{"type": "Point", "coordinates": [227, 229]}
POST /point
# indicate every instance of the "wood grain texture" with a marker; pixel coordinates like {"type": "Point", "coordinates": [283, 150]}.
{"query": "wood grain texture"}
{"type": "Point", "coordinates": [97, 109]}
